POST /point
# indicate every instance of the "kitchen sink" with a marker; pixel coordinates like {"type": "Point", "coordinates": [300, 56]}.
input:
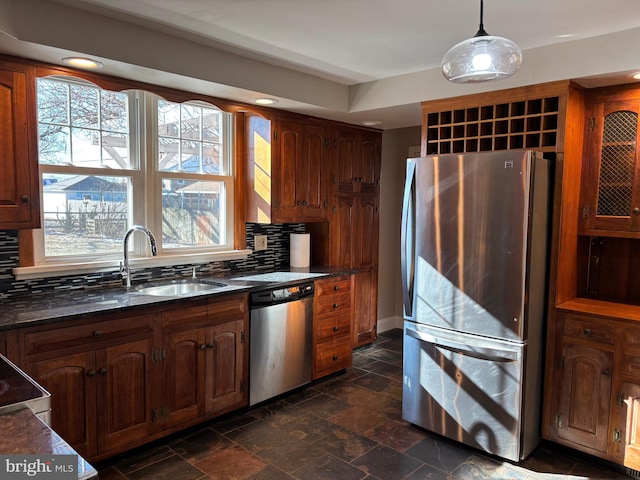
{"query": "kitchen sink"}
{"type": "Point", "coordinates": [181, 287]}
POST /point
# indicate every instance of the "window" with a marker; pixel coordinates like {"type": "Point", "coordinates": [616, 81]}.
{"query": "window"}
{"type": "Point", "coordinates": [113, 159]}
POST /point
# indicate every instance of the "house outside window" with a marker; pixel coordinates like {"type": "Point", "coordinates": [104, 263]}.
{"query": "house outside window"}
{"type": "Point", "coordinates": [109, 160]}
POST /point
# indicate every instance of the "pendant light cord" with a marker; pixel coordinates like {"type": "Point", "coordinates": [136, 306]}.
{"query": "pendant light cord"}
{"type": "Point", "coordinates": [481, 31]}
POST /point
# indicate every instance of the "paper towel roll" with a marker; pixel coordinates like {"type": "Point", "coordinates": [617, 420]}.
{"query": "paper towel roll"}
{"type": "Point", "coordinates": [299, 252]}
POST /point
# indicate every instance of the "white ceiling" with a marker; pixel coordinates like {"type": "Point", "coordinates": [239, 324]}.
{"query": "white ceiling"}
{"type": "Point", "coordinates": [351, 60]}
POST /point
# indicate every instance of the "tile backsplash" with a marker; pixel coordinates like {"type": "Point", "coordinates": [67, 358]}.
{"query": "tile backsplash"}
{"type": "Point", "coordinates": [276, 256]}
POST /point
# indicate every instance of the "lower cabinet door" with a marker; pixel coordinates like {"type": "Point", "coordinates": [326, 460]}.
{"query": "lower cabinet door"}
{"type": "Point", "coordinates": [71, 381]}
{"type": "Point", "coordinates": [123, 398]}
{"type": "Point", "coordinates": [224, 383]}
{"type": "Point", "coordinates": [627, 433]}
{"type": "Point", "coordinates": [184, 377]}
{"type": "Point", "coordinates": [585, 396]}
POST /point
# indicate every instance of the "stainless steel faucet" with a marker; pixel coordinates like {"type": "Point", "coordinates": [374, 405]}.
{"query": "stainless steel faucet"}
{"type": "Point", "coordinates": [124, 266]}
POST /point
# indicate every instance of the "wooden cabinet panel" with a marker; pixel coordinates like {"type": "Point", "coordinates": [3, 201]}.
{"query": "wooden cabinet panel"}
{"type": "Point", "coordinates": [332, 318]}
{"type": "Point", "coordinates": [581, 327]}
{"type": "Point", "coordinates": [332, 356]}
{"type": "Point", "coordinates": [365, 313]}
{"type": "Point", "coordinates": [611, 185]}
{"type": "Point", "coordinates": [225, 390]}
{"type": "Point", "coordinates": [356, 160]}
{"type": "Point", "coordinates": [585, 393]}
{"type": "Point", "coordinates": [627, 435]}
{"type": "Point", "coordinates": [71, 381]}
{"type": "Point", "coordinates": [19, 182]}
{"type": "Point", "coordinates": [183, 377]}
{"type": "Point", "coordinates": [124, 386]}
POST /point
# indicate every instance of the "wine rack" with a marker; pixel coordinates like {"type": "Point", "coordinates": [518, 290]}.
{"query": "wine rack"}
{"type": "Point", "coordinates": [529, 123]}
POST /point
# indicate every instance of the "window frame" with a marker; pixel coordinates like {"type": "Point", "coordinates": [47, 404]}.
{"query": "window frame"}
{"type": "Point", "coordinates": [32, 264]}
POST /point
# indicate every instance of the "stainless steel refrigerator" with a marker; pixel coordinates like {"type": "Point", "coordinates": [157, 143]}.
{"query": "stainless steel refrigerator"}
{"type": "Point", "coordinates": [474, 268]}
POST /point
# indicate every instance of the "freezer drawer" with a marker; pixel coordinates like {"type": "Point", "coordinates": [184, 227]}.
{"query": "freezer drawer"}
{"type": "Point", "coordinates": [467, 388]}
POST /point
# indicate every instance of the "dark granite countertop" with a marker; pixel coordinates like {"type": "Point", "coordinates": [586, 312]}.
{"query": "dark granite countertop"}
{"type": "Point", "coordinates": [25, 434]}
{"type": "Point", "coordinates": [66, 304]}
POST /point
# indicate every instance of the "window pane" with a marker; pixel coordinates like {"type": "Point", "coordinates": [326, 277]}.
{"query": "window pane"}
{"type": "Point", "coordinates": [53, 102]}
{"type": "Point", "coordinates": [100, 121]}
{"type": "Point", "coordinates": [84, 214]}
{"type": "Point", "coordinates": [200, 131]}
{"type": "Point", "coordinates": [192, 214]}
{"type": "Point", "coordinates": [84, 106]}
{"type": "Point", "coordinates": [53, 144]}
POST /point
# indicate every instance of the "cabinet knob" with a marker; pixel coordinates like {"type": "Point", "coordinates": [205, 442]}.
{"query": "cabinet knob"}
{"type": "Point", "coordinates": [587, 331]}
{"type": "Point", "coordinates": [335, 305]}
{"type": "Point", "coordinates": [336, 328]}
{"type": "Point", "coordinates": [335, 357]}
{"type": "Point", "coordinates": [210, 345]}
{"type": "Point", "coordinates": [298, 203]}
{"type": "Point", "coordinates": [636, 211]}
{"type": "Point", "coordinates": [24, 198]}
{"type": "Point", "coordinates": [606, 373]}
{"type": "Point", "coordinates": [91, 373]}
{"type": "Point", "coordinates": [336, 288]}
{"type": "Point", "coordinates": [203, 346]}
{"type": "Point", "coordinates": [102, 371]}
{"type": "Point", "coordinates": [97, 333]}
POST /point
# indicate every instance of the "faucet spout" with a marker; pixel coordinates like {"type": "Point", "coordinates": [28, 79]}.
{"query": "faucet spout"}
{"type": "Point", "coordinates": [124, 266]}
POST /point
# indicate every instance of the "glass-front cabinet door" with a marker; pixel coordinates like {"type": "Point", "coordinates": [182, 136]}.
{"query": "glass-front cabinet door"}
{"type": "Point", "coordinates": [613, 201]}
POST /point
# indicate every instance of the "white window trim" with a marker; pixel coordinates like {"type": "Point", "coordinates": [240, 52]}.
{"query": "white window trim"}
{"type": "Point", "coordinates": [46, 268]}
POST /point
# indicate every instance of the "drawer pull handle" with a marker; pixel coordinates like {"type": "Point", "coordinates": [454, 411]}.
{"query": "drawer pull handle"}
{"type": "Point", "coordinates": [335, 357]}
{"type": "Point", "coordinates": [336, 288]}
{"type": "Point", "coordinates": [587, 331]}
{"type": "Point", "coordinates": [91, 373]}
{"type": "Point", "coordinates": [335, 305]}
{"type": "Point", "coordinates": [97, 333]}
{"type": "Point", "coordinates": [102, 371]}
{"type": "Point", "coordinates": [335, 329]}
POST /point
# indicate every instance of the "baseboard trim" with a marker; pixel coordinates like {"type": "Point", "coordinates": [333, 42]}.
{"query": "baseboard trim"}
{"type": "Point", "coordinates": [389, 323]}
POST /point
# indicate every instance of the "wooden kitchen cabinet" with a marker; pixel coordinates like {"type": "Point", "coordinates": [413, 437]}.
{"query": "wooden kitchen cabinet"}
{"type": "Point", "coordinates": [332, 314]}
{"type": "Point", "coordinates": [203, 359]}
{"type": "Point", "coordinates": [19, 181]}
{"type": "Point", "coordinates": [356, 160]}
{"type": "Point", "coordinates": [354, 244]}
{"type": "Point", "coordinates": [611, 184]}
{"type": "Point", "coordinates": [100, 376]}
{"type": "Point", "coordinates": [287, 170]}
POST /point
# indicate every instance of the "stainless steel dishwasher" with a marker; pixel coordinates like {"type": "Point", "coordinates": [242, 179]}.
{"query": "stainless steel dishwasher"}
{"type": "Point", "coordinates": [280, 348]}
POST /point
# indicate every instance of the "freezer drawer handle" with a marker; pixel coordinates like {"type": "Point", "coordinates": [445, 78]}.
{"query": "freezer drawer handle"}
{"type": "Point", "coordinates": [471, 353]}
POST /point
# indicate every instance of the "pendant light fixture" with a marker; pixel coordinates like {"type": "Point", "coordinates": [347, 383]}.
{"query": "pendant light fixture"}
{"type": "Point", "coordinates": [481, 58]}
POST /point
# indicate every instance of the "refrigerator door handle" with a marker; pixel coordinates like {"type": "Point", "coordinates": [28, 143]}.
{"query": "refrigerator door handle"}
{"type": "Point", "coordinates": [488, 352]}
{"type": "Point", "coordinates": [407, 239]}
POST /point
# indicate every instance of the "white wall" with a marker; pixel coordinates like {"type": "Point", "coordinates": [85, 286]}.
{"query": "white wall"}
{"type": "Point", "coordinates": [395, 145]}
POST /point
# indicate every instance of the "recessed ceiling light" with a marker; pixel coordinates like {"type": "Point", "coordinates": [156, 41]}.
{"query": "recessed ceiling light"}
{"type": "Point", "coordinates": [371, 123]}
{"type": "Point", "coordinates": [81, 62]}
{"type": "Point", "coordinates": [266, 101]}
{"type": "Point", "coordinates": [636, 75]}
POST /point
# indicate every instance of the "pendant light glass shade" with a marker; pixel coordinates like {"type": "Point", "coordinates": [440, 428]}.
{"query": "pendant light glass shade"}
{"type": "Point", "coordinates": [481, 58]}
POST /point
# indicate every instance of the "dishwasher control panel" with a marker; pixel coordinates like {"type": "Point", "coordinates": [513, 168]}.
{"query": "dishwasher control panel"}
{"type": "Point", "coordinates": [280, 295]}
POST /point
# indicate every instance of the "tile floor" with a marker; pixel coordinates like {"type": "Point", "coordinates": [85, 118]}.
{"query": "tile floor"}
{"type": "Point", "coordinates": [348, 427]}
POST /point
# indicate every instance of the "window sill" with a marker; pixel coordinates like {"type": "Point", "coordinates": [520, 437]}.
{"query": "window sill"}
{"type": "Point", "coordinates": [62, 269]}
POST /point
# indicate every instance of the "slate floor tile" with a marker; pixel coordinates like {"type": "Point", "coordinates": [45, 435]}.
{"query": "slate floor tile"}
{"type": "Point", "coordinates": [169, 468]}
{"type": "Point", "coordinates": [440, 454]}
{"type": "Point", "coordinates": [386, 464]}
{"type": "Point", "coordinates": [345, 444]}
{"type": "Point", "coordinates": [396, 435]}
{"type": "Point", "coordinates": [329, 468]}
{"type": "Point", "coordinates": [232, 463]}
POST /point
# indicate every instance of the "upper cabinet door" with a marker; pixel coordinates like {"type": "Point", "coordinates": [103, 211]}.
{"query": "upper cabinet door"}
{"type": "Point", "coordinates": [19, 186]}
{"type": "Point", "coordinates": [356, 161]}
{"type": "Point", "coordinates": [612, 195]}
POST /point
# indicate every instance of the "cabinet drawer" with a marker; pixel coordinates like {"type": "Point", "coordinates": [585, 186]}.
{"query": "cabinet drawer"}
{"type": "Point", "coordinates": [332, 304]}
{"type": "Point", "coordinates": [45, 340]}
{"type": "Point", "coordinates": [215, 312]}
{"type": "Point", "coordinates": [328, 326]}
{"type": "Point", "coordinates": [332, 286]}
{"type": "Point", "coordinates": [332, 355]}
{"type": "Point", "coordinates": [632, 338]}
{"type": "Point", "coordinates": [631, 366]}
{"type": "Point", "coordinates": [587, 329]}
